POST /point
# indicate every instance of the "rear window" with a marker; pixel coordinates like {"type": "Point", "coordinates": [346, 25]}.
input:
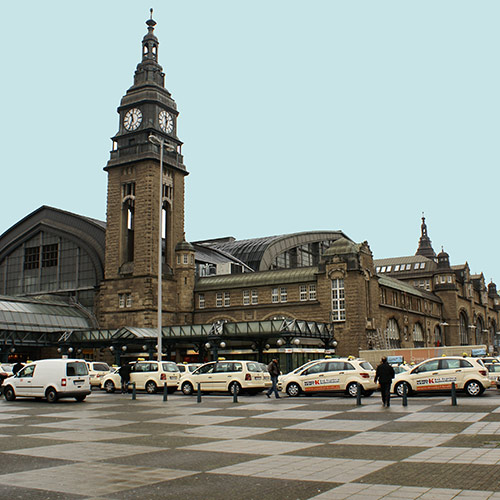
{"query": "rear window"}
{"type": "Point", "coordinates": [170, 367]}
{"type": "Point", "coordinates": [76, 369]}
{"type": "Point", "coordinates": [254, 367]}
{"type": "Point", "coordinates": [366, 365]}
{"type": "Point", "coordinates": [101, 367]}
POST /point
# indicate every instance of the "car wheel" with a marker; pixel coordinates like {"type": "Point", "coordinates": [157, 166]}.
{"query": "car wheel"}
{"type": "Point", "coordinates": [109, 386]}
{"type": "Point", "coordinates": [399, 389]}
{"type": "Point", "coordinates": [352, 389]}
{"type": "Point", "coordinates": [293, 390]}
{"type": "Point", "coordinates": [234, 387]}
{"type": "Point", "coordinates": [187, 388]}
{"type": "Point", "coordinates": [473, 388]}
{"type": "Point", "coordinates": [9, 393]}
{"type": "Point", "coordinates": [80, 398]}
{"type": "Point", "coordinates": [51, 395]}
{"type": "Point", "coordinates": [151, 387]}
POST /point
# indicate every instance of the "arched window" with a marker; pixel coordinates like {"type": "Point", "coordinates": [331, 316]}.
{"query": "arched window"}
{"type": "Point", "coordinates": [392, 334]}
{"type": "Point", "coordinates": [463, 329]}
{"type": "Point", "coordinates": [480, 334]}
{"type": "Point", "coordinates": [418, 335]}
{"type": "Point", "coordinates": [438, 337]}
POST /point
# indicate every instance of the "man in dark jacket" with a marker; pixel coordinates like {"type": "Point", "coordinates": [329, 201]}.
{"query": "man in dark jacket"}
{"type": "Point", "coordinates": [274, 370]}
{"type": "Point", "coordinates": [384, 375]}
{"type": "Point", "coordinates": [125, 376]}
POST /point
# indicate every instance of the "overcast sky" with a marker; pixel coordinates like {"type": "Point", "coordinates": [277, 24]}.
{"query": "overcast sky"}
{"type": "Point", "coordinates": [322, 115]}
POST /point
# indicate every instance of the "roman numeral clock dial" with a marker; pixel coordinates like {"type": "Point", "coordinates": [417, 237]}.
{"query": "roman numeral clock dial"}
{"type": "Point", "coordinates": [132, 119]}
{"type": "Point", "coordinates": [166, 121]}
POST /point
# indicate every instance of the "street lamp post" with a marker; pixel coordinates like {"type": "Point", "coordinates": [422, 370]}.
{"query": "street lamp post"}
{"type": "Point", "coordinates": [157, 141]}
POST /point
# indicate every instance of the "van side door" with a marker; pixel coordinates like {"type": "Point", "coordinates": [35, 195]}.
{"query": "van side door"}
{"type": "Point", "coordinates": [25, 381]}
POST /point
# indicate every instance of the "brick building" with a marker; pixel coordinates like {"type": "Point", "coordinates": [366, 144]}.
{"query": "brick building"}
{"type": "Point", "coordinates": [110, 270]}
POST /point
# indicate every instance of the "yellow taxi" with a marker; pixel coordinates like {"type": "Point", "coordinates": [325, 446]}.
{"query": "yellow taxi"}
{"type": "Point", "coordinates": [331, 375]}
{"type": "Point", "coordinates": [147, 375]}
{"type": "Point", "coordinates": [437, 374]}
{"type": "Point", "coordinates": [97, 370]}
{"type": "Point", "coordinates": [226, 376]}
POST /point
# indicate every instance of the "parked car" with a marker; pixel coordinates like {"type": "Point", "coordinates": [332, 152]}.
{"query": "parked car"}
{"type": "Point", "coordinates": [226, 376]}
{"type": "Point", "coordinates": [494, 373]}
{"type": "Point", "coordinates": [97, 370]}
{"type": "Point", "coordinates": [437, 374]}
{"type": "Point", "coordinates": [331, 375]}
{"type": "Point", "coordinates": [147, 375]}
{"type": "Point", "coordinates": [5, 371]}
{"type": "Point", "coordinates": [52, 379]}
{"type": "Point", "coordinates": [282, 377]}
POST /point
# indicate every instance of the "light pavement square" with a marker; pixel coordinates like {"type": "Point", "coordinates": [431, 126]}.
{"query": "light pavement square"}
{"type": "Point", "coordinates": [443, 417]}
{"type": "Point", "coordinates": [193, 420]}
{"type": "Point", "coordinates": [84, 452]}
{"type": "Point", "coordinates": [298, 414]}
{"type": "Point", "coordinates": [305, 468]}
{"type": "Point", "coordinates": [357, 491]}
{"type": "Point", "coordinates": [338, 425]}
{"type": "Point", "coordinates": [8, 416]}
{"type": "Point", "coordinates": [85, 423]}
{"type": "Point", "coordinates": [84, 435]}
{"type": "Point", "coordinates": [93, 479]}
{"type": "Point", "coordinates": [222, 431]}
{"type": "Point", "coordinates": [79, 414]}
{"type": "Point", "coordinates": [251, 446]}
{"type": "Point", "coordinates": [483, 428]}
{"type": "Point", "coordinates": [455, 455]}
{"type": "Point", "coordinates": [268, 406]}
{"type": "Point", "coordinates": [374, 438]}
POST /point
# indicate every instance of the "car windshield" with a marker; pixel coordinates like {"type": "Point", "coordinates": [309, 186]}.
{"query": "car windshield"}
{"type": "Point", "coordinates": [170, 367]}
{"type": "Point", "coordinates": [101, 367]}
{"type": "Point", "coordinates": [254, 367]}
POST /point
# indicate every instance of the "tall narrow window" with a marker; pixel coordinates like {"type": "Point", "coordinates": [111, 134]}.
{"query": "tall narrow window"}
{"type": "Point", "coordinates": [49, 255]}
{"type": "Point", "coordinates": [201, 301]}
{"type": "Point", "coordinates": [246, 297]}
{"type": "Point", "coordinates": [227, 299]}
{"type": "Point", "coordinates": [274, 295]}
{"type": "Point", "coordinates": [283, 294]}
{"type": "Point", "coordinates": [312, 292]}
{"type": "Point", "coordinates": [32, 258]}
{"type": "Point", "coordinates": [338, 300]}
{"type": "Point", "coordinates": [255, 297]}
{"type": "Point", "coordinates": [303, 292]}
{"type": "Point", "coordinates": [218, 299]}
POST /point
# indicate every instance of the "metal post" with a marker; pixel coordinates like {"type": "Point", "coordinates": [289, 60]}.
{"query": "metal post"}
{"type": "Point", "coordinates": [165, 391]}
{"type": "Point", "coordinates": [358, 394]}
{"type": "Point", "coordinates": [235, 393]}
{"type": "Point", "coordinates": [405, 395]}
{"type": "Point", "coordinates": [198, 394]}
{"type": "Point", "coordinates": [134, 393]}
{"type": "Point", "coordinates": [453, 394]}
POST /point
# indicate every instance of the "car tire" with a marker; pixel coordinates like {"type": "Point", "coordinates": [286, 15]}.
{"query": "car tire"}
{"type": "Point", "coordinates": [109, 386]}
{"type": "Point", "coordinates": [473, 388]}
{"type": "Point", "coordinates": [234, 387]}
{"type": "Point", "coordinates": [151, 387]}
{"type": "Point", "coordinates": [80, 398]}
{"type": "Point", "coordinates": [293, 389]}
{"type": "Point", "coordinates": [51, 395]}
{"type": "Point", "coordinates": [9, 393]}
{"type": "Point", "coordinates": [399, 391]}
{"type": "Point", "coordinates": [187, 388]}
{"type": "Point", "coordinates": [352, 389]}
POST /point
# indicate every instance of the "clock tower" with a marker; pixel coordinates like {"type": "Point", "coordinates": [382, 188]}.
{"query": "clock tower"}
{"type": "Point", "coordinates": [128, 294]}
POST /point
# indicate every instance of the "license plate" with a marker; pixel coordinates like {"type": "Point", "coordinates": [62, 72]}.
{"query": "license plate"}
{"type": "Point", "coordinates": [78, 382]}
{"type": "Point", "coordinates": [257, 377]}
{"type": "Point", "coordinates": [173, 378]}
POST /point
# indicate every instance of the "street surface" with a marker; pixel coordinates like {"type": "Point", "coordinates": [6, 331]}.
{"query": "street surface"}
{"type": "Point", "coordinates": [327, 448]}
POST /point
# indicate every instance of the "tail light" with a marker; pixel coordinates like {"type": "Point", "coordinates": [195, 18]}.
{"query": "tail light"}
{"type": "Point", "coordinates": [248, 376]}
{"type": "Point", "coordinates": [483, 372]}
{"type": "Point", "coordinates": [163, 376]}
{"type": "Point", "coordinates": [365, 375]}
{"type": "Point", "coordinates": [63, 382]}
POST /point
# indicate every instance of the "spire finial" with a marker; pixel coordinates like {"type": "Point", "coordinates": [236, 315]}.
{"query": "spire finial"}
{"type": "Point", "coordinates": [151, 12]}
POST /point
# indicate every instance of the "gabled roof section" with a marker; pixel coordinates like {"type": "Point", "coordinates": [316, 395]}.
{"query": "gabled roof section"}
{"type": "Point", "coordinates": [403, 286]}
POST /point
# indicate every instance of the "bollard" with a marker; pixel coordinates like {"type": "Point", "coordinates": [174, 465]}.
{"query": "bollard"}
{"type": "Point", "coordinates": [235, 393]}
{"type": "Point", "coordinates": [405, 395]}
{"type": "Point", "coordinates": [165, 391]}
{"type": "Point", "coordinates": [453, 394]}
{"type": "Point", "coordinates": [358, 394]}
{"type": "Point", "coordinates": [134, 393]}
{"type": "Point", "coordinates": [198, 395]}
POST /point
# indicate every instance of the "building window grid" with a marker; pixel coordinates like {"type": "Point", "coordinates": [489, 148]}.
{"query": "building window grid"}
{"type": "Point", "coordinates": [303, 293]}
{"type": "Point", "coordinates": [274, 296]}
{"type": "Point", "coordinates": [255, 297]}
{"type": "Point", "coordinates": [246, 297]}
{"type": "Point", "coordinates": [283, 294]}
{"type": "Point", "coordinates": [312, 292]}
{"type": "Point", "coordinates": [338, 300]}
{"type": "Point", "coordinates": [227, 299]}
{"type": "Point", "coordinates": [201, 301]}
{"type": "Point", "coordinates": [218, 300]}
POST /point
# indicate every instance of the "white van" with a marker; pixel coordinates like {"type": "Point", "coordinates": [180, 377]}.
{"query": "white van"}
{"type": "Point", "coordinates": [50, 378]}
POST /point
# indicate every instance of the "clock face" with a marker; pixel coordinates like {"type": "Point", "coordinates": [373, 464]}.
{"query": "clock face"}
{"type": "Point", "coordinates": [166, 121]}
{"type": "Point", "coordinates": [133, 119]}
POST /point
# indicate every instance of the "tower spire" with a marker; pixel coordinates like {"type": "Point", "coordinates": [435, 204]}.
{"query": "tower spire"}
{"type": "Point", "coordinates": [424, 244]}
{"type": "Point", "coordinates": [149, 70]}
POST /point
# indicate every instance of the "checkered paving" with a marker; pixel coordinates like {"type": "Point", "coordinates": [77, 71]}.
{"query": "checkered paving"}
{"type": "Point", "coordinates": [322, 448]}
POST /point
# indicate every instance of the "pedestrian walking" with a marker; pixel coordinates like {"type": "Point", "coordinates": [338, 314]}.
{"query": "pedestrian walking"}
{"type": "Point", "coordinates": [274, 370]}
{"type": "Point", "coordinates": [125, 376]}
{"type": "Point", "coordinates": [384, 375]}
